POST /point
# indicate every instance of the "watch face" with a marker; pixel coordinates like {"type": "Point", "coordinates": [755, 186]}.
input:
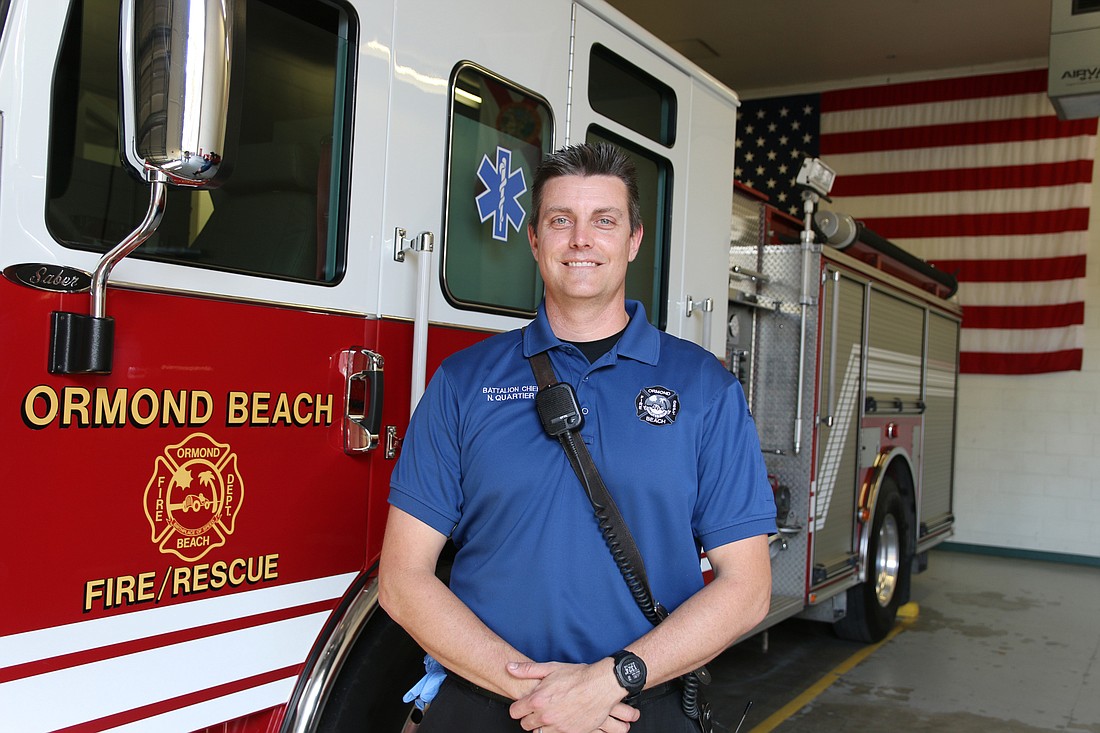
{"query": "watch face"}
{"type": "Point", "coordinates": [632, 671]}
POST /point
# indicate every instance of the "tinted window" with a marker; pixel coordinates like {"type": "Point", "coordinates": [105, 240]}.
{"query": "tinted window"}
{"type": "Point", "coordinates": [279, 213]}
{"type": "Point", "coordinates": [647, 275]}
{"type": "Point", "coordinates": [499, 133]}
{"type": "Point", "coordinates": [4, 6]}
{"type": "Point", "coordinates": [620, 90]}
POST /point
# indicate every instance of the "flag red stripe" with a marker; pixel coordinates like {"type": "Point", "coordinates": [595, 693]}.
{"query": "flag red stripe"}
{"type": "Point", "coordinates": [981, 362]}
{"type": "Point", "coordinates": [960, 133]}
{"type": "Point", "coordinates": [1024, 316]}
{"type": "Point", "coordinates": [965, 179]}
{"type": "Point", "coordinates": [990, 225]}
{"type": "Point", "coordinates": [1023, 270]}
{"type": "Point", "coordinates": [941, 90]}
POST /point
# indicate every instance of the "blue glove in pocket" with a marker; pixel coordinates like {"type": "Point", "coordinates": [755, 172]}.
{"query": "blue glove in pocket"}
{"type": "Point", "coordinates": [424, 691]}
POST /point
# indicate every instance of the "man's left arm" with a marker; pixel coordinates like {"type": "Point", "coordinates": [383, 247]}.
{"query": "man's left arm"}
{"type": "Point", "coordinates": [716, 616]}
{"type": "Point", "coordinates": [696, 632]}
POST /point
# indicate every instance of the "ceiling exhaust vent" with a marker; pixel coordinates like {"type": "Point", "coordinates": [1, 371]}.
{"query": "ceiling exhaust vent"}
{"type": "Point", "coordinates": [1073, 70]}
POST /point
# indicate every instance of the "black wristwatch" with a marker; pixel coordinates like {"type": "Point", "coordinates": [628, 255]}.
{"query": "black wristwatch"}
{"type": "Point", "coordinates": [630, 671]}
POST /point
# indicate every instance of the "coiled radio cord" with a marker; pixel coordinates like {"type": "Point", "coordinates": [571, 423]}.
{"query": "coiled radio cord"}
{"type": "Point", "coordinates": [653, 611]}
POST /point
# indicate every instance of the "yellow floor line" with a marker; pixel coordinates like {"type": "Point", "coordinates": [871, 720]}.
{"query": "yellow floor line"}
{"type": "Point", "coordinates": [907, 614]}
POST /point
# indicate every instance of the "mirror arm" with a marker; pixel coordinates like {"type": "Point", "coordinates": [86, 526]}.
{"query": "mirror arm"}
{"type": "Point", "coordinates": [157, 196]}
{"type": "Point", "coordinates": [82, 343]}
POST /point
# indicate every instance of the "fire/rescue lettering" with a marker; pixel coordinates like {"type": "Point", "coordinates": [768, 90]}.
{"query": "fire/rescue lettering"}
{"type": "Point", "coordinates": [80, 407]}
{"type": "Point", "coordinates": [105, 408]}
{"type": "Point", "coordinates": [124, 590]}
{"type": "Point", "coordinates": [128, 590]}
{"type": "Point", "coordinates": [207, 576]}
{"type": "Point", "coordinates": [256, 408]}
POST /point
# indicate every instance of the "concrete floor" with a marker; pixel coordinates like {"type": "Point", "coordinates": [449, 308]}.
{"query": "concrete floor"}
{"type": "Point", "coordinates": [998, 644]}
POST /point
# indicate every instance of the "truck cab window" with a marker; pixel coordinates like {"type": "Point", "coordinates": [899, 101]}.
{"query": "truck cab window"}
{"type": "Point", "coordinates": [5, 5]}
{"type": "Point", "coordinates": [632, 97]}
{"type": "Point", "coordinates": [629, 96]}
{"type": "Point", "coordinates": [499, 133]}
{"type": "Point", "coordinates": [279, 214]}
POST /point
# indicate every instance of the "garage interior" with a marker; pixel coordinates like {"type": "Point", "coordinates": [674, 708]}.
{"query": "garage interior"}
{"type": "Point", "coordinates": [993, 389]}
{"type": "Point", "coordinates": [1000, 634]}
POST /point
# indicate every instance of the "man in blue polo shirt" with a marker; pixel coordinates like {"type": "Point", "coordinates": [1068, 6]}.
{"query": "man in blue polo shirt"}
{"type": "Point", "coordinates": [538, 629]}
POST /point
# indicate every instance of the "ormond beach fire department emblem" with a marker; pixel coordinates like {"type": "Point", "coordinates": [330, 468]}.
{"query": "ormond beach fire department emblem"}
{"type": "Point", "coordinates": [193, 497]}
{"type": "Point", "coordinates": [657, 405]}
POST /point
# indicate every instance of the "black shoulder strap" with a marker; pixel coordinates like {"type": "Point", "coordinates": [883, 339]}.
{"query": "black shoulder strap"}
{"type": "Point", "coordinates": [619, 539]}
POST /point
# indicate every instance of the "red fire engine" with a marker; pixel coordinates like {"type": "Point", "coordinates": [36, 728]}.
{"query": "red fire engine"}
{"type": "Point", "coordinates": [237, 238]}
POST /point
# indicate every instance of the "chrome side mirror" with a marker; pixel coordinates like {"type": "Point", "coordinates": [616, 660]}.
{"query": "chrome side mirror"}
{"type": "Point", "coordinates": [178, 62]}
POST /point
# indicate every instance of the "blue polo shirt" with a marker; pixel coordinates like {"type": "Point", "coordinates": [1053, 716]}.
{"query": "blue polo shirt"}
{"type": "Point", "coordinates": [668, 427]}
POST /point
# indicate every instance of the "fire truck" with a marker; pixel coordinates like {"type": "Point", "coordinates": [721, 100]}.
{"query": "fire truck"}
{"type": "Point", "coordinates": [238, 237]}
{"type": "Point", "coordinates": [847, 347]}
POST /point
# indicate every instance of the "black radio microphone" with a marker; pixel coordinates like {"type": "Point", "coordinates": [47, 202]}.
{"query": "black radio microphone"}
{"type": "Point", "coordinates": [558, 409]}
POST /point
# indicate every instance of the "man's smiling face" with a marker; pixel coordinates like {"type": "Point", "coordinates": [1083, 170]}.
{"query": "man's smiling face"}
{"type": "Point", "coordinates": [582, 239]}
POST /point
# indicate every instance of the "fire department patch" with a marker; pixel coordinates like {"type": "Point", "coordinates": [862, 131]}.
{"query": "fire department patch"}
{"type": "Point", "coordinates": [193, 497]}
{"type": "Point", "coordinates": [657, 405]}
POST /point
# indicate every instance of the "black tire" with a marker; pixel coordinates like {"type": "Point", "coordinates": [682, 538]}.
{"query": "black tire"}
{"type": "Point", "coordinates": [873, 604]}
{"type": "Point", "coordinates": [384, 663]}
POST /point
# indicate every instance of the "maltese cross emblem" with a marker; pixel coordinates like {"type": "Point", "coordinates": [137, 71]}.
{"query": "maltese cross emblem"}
{"type": "Point", "coordinates": [193, 497]}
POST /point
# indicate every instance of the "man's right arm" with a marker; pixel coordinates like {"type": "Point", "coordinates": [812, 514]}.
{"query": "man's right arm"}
{"type": "Point", "coordinates": [426, 608]}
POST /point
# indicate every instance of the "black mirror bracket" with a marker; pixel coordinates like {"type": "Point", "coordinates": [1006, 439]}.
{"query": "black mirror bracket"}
{"type": "Point", "coordinates": [80, 343]}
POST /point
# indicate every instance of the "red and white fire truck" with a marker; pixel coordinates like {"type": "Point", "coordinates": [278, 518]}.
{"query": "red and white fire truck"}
{"type": "Point", "coordinates": [222, 225]}
{"type": "Point", "coordinates": [849, 357]}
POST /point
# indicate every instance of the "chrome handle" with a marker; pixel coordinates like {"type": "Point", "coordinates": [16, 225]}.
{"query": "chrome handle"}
{"type": "Point", "coordinates": [363, 397]}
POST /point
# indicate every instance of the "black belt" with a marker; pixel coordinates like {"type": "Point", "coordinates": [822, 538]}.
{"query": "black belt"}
{"type": "Point", "coordinates": [645, 695]}
{"type": "Point", "coordinates": [462, 681]}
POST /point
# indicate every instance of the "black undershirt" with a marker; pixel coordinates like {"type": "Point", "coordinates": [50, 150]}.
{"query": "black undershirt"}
{"type": "Point", "coordinates": [593, 350]}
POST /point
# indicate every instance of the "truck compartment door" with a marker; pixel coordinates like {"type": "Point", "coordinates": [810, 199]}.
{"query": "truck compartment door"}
{"type": "Point", "coordinates": [838, 437]}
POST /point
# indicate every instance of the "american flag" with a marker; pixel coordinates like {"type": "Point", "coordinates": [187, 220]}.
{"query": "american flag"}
{"type": "Point", "coordinates": [974, 174]}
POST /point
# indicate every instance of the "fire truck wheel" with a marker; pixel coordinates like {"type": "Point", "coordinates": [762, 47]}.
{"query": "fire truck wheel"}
{"type": "Point", "coordinates": [873, 605]}
{"type": "Point", "coordinates": [384, 663]}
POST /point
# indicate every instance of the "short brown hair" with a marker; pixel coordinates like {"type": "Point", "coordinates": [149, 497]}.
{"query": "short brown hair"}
{"type": "Point", "coordinates": [586, 159]}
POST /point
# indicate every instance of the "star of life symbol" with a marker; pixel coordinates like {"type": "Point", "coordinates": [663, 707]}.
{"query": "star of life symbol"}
{"type": "Point", "coordinates": [657, 405]}
{"type": "Point", "coordinates": [193, 497]}
{"type": "Point", "coordinates": [500, 199]}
